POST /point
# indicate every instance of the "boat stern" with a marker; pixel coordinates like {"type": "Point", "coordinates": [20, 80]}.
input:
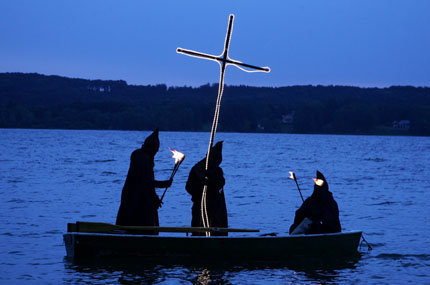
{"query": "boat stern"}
{"type": "Point", "coordinates": [69, 242]}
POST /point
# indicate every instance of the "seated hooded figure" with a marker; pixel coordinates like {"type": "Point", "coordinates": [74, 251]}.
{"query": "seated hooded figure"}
{"type": "Point", "coordinates": [319, 213]}
{"type": "Point", "coordinates": [139, 202]}
{"type": "Point", "coordinates": [215, 200]}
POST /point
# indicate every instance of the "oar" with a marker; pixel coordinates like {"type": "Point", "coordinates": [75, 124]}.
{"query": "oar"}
{"type": "Point", "coordinates": [92, 227]}
{"type": "Point", "coordinates": [293, 176]}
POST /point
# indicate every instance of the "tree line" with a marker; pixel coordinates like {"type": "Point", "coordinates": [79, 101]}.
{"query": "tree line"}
{"type": "Point", "coordinates": [39, 101]}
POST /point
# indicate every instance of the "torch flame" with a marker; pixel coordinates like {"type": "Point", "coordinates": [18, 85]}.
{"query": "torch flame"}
{"type": "Point", "coordinates": [291, 175]}
{"type": "Point", "coordinates": [178, 156]}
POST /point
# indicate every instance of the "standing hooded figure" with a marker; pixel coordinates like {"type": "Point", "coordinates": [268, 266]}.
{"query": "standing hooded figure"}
{"type": "Point", "coordinates": [139, 202]}
{"type": "Point", "coordinates": [319, 213]}
{"type": "Point", "coordinates": [215, 200]}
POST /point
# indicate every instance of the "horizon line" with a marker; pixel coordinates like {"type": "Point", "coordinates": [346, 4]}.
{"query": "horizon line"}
{"type": "Point", "coordinates": [215, 83]}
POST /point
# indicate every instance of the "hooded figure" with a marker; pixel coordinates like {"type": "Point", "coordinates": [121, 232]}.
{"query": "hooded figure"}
{"type": "Point", "coordinates": [215, 200]}
{"type": "Point", "coordinates": [319, 213]}
{"type": "Point", "coordinates": [139, 202]}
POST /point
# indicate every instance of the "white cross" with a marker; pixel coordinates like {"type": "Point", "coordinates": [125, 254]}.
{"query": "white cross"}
{"type": "Point", "coordinates": [223, 61]}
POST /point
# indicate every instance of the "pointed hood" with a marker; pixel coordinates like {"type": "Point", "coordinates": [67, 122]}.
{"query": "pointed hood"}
{"type": "Point", "coordinates": [152, 143]}
{"type": "Point", "coordinates": [215, 158]}
{"type": "Point", "coordinates": [320, 183]}
{"type": "Point", "coordinates": [321, 176]}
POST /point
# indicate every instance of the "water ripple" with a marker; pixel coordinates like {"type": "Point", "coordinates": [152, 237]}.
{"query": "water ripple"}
{"type": "Point", "coordinates": [379, 184]}
{"type": "Point", "coordinates": [397, 256]}
{"type": "Point", "coordinates": [377, 159]}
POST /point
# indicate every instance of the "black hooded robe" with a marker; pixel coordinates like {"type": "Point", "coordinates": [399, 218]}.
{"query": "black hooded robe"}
{"type": "Point", "coordinates": [139, 201]}
{"type": "Point", "coordinates": [321, 209]}
{"type": "Point", "coordinates": [215, 200]}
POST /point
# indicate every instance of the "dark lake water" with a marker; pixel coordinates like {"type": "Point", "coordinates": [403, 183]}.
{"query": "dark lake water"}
{"type": "Point", "coordinates": [51, 177]}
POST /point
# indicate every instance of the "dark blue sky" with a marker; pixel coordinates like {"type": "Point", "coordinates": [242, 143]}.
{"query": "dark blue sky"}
{"type": "Point", "coordinates": [340, 42]}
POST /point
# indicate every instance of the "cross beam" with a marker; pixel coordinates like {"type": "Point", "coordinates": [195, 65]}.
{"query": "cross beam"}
{"type": "Point", "coordinates": [223, 61]}
{"type": "Point", "coordinates": [220, 59]}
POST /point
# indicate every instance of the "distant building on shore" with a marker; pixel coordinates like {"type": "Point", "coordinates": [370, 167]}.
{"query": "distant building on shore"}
{"type": "Point", "coordinates": [101, 89]}
{"type": "Point", "coordinates": [402, 125]}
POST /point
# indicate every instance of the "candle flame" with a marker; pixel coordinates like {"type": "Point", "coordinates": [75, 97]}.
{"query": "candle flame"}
{"type": "Point", "coordinates": [291, 175]}
{"type": "Point", "coordinates": [178, 156]}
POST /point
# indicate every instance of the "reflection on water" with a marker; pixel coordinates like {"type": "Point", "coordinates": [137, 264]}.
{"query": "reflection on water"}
{"type": "Point", "coordinates": [206, 272]}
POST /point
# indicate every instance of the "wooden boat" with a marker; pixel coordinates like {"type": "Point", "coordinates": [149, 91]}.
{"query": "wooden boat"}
{"type": "Point", "coordinates": [101, 240]}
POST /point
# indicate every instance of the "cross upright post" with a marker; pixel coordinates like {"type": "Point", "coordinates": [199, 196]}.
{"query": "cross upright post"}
{"type": "Point", "coordinates": [223, 61]}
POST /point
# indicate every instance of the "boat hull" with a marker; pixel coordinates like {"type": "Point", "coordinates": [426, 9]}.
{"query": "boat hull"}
{"type": "Point", "coordinates": [100, 245]}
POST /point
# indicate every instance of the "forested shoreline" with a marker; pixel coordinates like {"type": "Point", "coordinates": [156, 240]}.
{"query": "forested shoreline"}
{"type": "Point", "coordinates": [29, 100]}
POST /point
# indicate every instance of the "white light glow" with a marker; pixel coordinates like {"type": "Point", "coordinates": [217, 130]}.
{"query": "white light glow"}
{"type": "Point", "coordinates": [178, 156]}
{"type": "Point", "coordinates": [318, 182]}
{"type": "Point", "coordinates": [291, 175]}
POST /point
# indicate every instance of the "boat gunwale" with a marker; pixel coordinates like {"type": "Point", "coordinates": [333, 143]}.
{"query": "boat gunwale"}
{"type": "Point", "coordinates": [216, 237]}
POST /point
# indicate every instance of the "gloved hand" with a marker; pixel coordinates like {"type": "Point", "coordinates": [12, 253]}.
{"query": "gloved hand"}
{"type": "Point", "coordinates": [158, 203]}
